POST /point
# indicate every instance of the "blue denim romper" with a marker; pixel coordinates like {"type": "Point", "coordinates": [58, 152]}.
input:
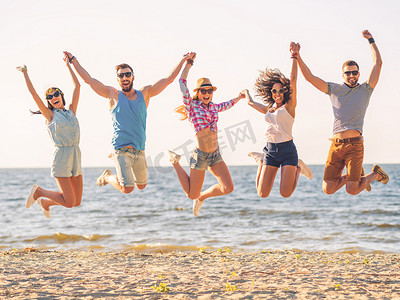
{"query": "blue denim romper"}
{"type": "Point", "coordinates": [65, 133]}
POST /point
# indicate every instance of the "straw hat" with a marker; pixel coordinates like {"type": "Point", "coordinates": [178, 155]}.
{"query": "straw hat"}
{"type": "Point", "coordinates": [203, 83]}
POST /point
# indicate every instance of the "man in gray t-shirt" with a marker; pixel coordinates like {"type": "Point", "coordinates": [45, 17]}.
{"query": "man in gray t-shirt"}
{"type": "Point", "coordinates": [349, 102]}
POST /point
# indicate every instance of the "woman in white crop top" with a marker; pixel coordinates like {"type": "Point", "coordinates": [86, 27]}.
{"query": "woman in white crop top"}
{"type": "Point", "coordinates": [279, 95]}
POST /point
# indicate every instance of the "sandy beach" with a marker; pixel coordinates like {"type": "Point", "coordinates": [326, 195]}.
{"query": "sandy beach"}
{"type": "Point", "coordinates": [206, 274]}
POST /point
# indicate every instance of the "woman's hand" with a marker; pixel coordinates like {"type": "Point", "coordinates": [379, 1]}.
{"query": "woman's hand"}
{"type": "Point", "coordinates": [189, 57]}
{"type": "Point", "coordinates": [22, 68]}
{"type": "Point", "coordinates": [366, 34]}
{"type": "Point", "coordinates": [246, 95]}
{"type": "Point", "coordinates": [68, 57]}
{"type": "Point", "coordinates": [294, 48]}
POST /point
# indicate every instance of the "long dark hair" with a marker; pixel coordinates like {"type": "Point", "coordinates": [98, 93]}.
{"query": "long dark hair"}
{"type": "Point", "coordinates": [49, 106]}
{"type": "Point", "coordinates": [266, 81]}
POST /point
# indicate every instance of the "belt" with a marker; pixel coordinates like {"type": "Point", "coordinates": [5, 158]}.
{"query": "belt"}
{"type": "Point", "coordinates": [130, 150]}
{"type": "Point", "coordinates": [347, 140]}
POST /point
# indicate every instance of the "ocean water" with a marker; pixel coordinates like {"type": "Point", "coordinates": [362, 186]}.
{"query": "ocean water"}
{"type": "Point", "coordinates": [159, 218]}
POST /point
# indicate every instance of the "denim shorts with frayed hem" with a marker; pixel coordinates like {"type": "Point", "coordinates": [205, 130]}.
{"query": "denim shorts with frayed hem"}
{"type": "Point", "coordinates": [131, 166]}
{"type": "Point", "coordinates": [281, 154]}
{"type": "Point", "coordinates": [349, 154]}
{"type": "Point", "coordinates": [200, 160]}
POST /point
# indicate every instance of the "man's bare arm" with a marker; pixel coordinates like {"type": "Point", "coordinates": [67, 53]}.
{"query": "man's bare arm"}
{"type": "Point", "coordinates": [101, 89]}
{"type": "Point", "coordinates": [376, 56]}
{"type": "Point", "coordinates": [314, 80]}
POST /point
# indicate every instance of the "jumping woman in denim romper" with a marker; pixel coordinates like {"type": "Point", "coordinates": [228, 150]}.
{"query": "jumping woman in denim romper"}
{"type": "Point", "coordinates": [203, 116]}
{"type": "Point", "coordinates": [63, 128]}
{"type": "Point", "coordinates": [279, 93]}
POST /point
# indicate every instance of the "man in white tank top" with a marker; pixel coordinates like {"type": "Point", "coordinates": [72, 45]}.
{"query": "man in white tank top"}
{"type": "Point", "coordinates": [349, 102]}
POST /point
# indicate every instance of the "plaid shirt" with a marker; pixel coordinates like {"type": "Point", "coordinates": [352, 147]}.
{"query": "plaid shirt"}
{"type": "Point", "coordinates": [201, 116]}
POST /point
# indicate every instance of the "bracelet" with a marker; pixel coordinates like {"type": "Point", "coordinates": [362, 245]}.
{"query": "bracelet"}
{"type": "Point", "coordinates": [72, 59]}
{"type": "Point", "coordinates": [294, 57]}
{"type": "Point", "coordinates": [371, 40]}
{"type": "Point", "coordinates": [190, 62]}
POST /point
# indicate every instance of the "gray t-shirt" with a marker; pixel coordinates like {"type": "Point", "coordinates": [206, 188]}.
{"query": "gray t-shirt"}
{"type": "Point", "coordinates": [349, 105]}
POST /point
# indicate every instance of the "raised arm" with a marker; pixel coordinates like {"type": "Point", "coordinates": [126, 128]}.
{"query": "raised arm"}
{"type": "Point", "coordinates": [46, 112]}
{"type": "Point", "coordinates": [188, 65]}
{"type": "Point", "coordinates": [257, 106]}
{"type": "Point", "coordinates": [314, 80]}
{"type": "Point", "coordinates": [101, 89]}
{"type": "Point", "coordinates": [291, 104]}
{"type": "Point", "coordinates": [153, 90]}
{"type": "Point", "coordinates": [77, 86]}
{"type": "Point", "coordinates": [376, 56]}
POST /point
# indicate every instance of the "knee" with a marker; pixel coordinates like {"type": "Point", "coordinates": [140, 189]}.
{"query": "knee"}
{"type": "Point", "coordinates": [193, 196]}
{"type": "Point", "coordinates": [351, 190]}
{"type": "Point", "coordinates": [286, 194]}
{"type": "Point", "coordinates": [263, 194]}
{"type": "Point", "coordinates": [328, 189]}
{"type": "Point", "coordinates": [228, 189]}
{"type": "Point", "coordinates": [127, 189]}
{"type": "Point", "coordinates": [141, 186]}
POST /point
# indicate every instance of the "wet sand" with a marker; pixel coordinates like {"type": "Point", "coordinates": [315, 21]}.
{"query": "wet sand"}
{"type": "Point", "coordinates": [206, 274]}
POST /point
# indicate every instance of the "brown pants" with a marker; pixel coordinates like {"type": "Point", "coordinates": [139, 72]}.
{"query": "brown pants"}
{"type": "Point", "coordinates": [349, 154]}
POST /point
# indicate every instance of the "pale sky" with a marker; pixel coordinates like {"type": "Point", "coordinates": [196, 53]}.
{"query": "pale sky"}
{"type": "Point", "coordinates": [233, 41]}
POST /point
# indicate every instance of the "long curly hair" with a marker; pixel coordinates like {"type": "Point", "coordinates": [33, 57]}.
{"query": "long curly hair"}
{"type": "Point", "coordinates": [266, 81]}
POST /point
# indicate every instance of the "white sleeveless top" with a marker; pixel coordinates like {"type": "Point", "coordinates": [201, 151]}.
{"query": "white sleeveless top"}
{"type": "Point", "coordinates": [279, 126]}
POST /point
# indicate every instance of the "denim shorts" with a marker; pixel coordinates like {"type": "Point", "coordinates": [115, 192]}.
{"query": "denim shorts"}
{"type": "Point", "coordinates": [200, 160]}
{"type": "Point", "coordinates": [131, 166]}
{"type": "Point", "coordinates": [281, 154]}
{"type": "Point", "coordinates": [66, 162]}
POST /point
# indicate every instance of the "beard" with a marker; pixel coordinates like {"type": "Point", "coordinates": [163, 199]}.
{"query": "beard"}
{"type": "Point", "coordinates": [127, 89]}
{"type": "Point", "coordinates": [352, 82]}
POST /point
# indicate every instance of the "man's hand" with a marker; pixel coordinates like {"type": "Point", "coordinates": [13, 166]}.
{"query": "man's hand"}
{"type": "Point", "coordinates": [189, 57]}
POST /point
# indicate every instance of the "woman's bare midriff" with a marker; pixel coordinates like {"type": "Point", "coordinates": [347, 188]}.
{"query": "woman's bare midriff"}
{"type": "Point", "coordinates": [347, 134]}
{"type": "Point", "coordinates": [207, 140]}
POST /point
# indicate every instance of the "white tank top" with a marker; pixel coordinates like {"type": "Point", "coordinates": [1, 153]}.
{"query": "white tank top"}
{"type": "Point", "coordinates": [279, 126]}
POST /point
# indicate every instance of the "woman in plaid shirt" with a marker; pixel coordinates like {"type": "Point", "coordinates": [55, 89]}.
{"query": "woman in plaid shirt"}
{"type": "Point", "coordinates": [203, 116]}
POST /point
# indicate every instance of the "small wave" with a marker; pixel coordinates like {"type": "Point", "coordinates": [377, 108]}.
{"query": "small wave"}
{"type": "Point", "coordinates": [381, 212]}
{"type": "Point", "coordinates": [382, 225]}
{"type": "Point", "coordinates": [161, 248]}
{"type": "Point", "coordinates": [64, 238]}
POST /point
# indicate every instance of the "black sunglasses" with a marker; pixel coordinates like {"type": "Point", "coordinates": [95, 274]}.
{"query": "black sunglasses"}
{"type": "Point", "coordinates": [204, 91]}
{"type": "Point", "coordinates": [56, 94]}
{"type": "Point", "coordinates": [348, 73]}
{"type": "Point", "coordinates": [127, 74]}
{"type": "Point", "coordinates": [280, 91]}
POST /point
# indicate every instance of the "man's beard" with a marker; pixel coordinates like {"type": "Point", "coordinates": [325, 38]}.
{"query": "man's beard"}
{"type": "Point", "coordinates": [352, 82]}
{"type": "Point", "coordinates": [128, 89]}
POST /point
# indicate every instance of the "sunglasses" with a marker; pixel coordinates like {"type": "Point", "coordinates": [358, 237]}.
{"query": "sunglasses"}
{"type": "Point", "coordinates": [204, 91]}
{"type": "Point", "coordinates": [348, 73]}
{"type": "Point", "coordinates": [126, 74]}
{"type": "Point", "coordinates": [280, 91]}
{"type": "Point", "coordinates": [56, 94]}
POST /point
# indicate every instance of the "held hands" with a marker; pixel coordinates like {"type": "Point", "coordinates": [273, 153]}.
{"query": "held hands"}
{"type": "Point", "coordinates": [68, 57]}
{"type": "Point", "coordinates": [294, 49]}
{"type": "Point", "coordinates": [22, 68]}
{"type": "Point", "coordinates": [245, 94]}
{"type": "Point", "coordinates": [189, 57]}
{"type": "Point", "coordinates": [366, 34]}
{"type": "Point", "coordinates": [242, 95]}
